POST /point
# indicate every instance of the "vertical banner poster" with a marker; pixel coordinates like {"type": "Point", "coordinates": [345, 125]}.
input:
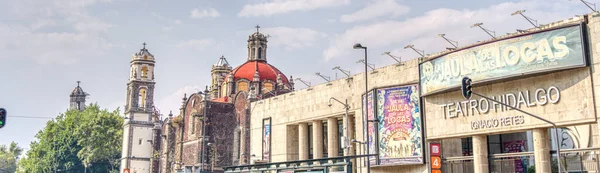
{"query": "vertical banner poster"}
{"type": "Point", "coordinates": [266, 147]}
{"type": "Point", "coordinates": [371, 127]}
{"type": "Point", "coordinates": [400, 135]}
{"type": "Point", "coordinates": [369, 112]}
{"type": "Point", "coordinates": [435, 153]}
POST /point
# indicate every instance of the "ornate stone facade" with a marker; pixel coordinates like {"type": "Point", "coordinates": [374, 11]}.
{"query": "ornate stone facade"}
{"type": "Point", "coordinates": [227, 119]}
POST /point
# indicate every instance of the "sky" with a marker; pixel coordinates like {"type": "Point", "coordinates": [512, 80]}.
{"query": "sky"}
{"type": "Point", "coordinates": [48, 45]}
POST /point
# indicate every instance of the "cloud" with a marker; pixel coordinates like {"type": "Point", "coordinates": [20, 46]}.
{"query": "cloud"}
{"type": "Point", "coordinates": [287, 6]}
{"type": "Point", "coordinates": [172, 102]}
{"type": "Point", "coordinates": [422, 30]}
{"type": "Point", "coordinates": [378, 9]}
{"type": "Point", "coordinates": [202, 13]}
{"type": "Point", "coordinates": [73, 34]}
{"type": "Point", "coordinates": [196, 44]}
{"type": "Point", "coordinates": [292, 38]}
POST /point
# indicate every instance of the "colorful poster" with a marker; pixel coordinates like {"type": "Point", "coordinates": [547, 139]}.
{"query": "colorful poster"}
{"type": "Point", "coordinates": [370, 114]}
{"type": "Point", "coordinates": [400, 135]}
{"type": "Point", "coordinates": [515, 147]}
{"type": "Point", "coordinates": [266, 154]}
{"type": "Point", "coordinates": [550, 50]}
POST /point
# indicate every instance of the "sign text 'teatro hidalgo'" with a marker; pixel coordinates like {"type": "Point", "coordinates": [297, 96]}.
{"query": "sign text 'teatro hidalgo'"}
{"type": "Point", "coordinates": [555, 49]}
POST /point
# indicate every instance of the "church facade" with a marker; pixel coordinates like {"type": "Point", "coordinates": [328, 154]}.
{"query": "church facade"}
{"type": "Point", "coordinates": [212, 128]}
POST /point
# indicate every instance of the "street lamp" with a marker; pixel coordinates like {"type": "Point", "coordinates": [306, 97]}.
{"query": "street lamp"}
{"type": "Point", "coordinates": [359, 46]}
{"type": "Point", "coordinates": [346, 107]}
{"type": "Point", "coordinates": [486, 30]}
{"type": "Point", "coordinates": [529, 19]}
{"type": "Point", "coordinates": [205, 99]}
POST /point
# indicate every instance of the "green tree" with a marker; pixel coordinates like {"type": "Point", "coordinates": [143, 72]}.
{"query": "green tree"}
{"type": "Point", "coordinates": [75, 141]}
{"type": "Point", "coordinates": [8, 157]}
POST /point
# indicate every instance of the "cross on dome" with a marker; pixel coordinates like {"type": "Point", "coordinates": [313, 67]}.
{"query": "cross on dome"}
{"type": "Point", "coordinates": [257, 27]}
{"type": "Point", "coordinates": [144, 44]}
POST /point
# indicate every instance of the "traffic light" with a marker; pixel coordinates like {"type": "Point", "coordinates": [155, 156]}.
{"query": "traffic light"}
{"type": "Point", "coordinates": [2, 117]}
{"type": "Point", "coordinates": [466, 87]}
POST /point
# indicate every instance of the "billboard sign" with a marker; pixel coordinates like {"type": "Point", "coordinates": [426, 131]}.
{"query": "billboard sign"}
{"type": "Point", "coordinates": [550, 50]}
{"type": "Point", "coordinates": [399, 134]}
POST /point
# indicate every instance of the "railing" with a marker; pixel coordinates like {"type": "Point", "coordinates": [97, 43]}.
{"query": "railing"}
{"type": "Point", "coordinates": [581, 160]}
{"type": "Point", "coordinates": [462, 164]}
{"type": "Point", "coordinates": [510, 162]}
{"type": "Point", "coordinates": [574, 160]}
{"type": "Point", "coordinates": [324, 164]}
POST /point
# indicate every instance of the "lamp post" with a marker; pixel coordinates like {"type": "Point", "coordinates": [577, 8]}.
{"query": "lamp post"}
{"type": "Point", "coordinates": [346, 107]}
{"type": "Point", "coordinates": [202, 160]}
{"type": "Point", "coordinates": [365, 120]}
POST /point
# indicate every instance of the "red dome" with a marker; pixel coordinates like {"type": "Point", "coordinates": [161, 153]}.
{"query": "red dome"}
{"type": "Point", "coordinates": [265, 71]}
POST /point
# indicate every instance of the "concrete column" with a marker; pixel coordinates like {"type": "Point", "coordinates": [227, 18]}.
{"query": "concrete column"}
{"type": "Point", "coordinates": [541, 150]}
{"type": "Point", "coordinates": [317, 139]}
{"type": "Point", "coordinates": [332, 137]}
{"type": "Point", "coordinates": [302, 141]}
{"type": "Point", "coordinates": [480, 154]}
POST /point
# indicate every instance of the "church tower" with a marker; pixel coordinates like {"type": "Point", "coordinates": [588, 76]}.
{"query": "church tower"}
{"type": "Point", "coordinates": [78, 98]}
{"type": "Point", "coordinates": [257, 46]}
{"type": "Point", "coordinates": [218, 73]}
{"type": "Point", "coordinates": [138, 125]}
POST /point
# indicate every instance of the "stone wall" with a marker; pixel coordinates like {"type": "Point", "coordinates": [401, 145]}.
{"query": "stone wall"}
{"type": "Point", "coordinates": [303, 106]}
{"type": "Point", "coordinates": [309, 104]}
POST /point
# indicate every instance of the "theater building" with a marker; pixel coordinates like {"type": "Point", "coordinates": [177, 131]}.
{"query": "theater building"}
{"type": "Point", "coordinates": [549, 72]}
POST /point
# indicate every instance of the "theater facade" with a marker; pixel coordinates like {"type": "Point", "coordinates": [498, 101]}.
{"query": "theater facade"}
{"type": "Point", "coordinates": [418, 121]}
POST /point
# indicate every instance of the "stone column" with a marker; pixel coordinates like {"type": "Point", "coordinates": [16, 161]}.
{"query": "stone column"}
{"type": "Point", "coordinates": [302, 141]}
{"type": "Point", "coordinates": [332, 137]}
{"type": "Point", "coordinates": [317, 139]}
{"type": "Point", "coordinates": [541, 150]}
{"type": "Point", "coordinates": [480, 154]}
{"type": "Point", "coordinates": [350, 123]}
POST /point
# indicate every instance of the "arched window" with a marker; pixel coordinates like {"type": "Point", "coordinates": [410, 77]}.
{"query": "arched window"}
{"type": "Point", "coordinates": [242, 86]}
{"type": "Point", "coordinates": [144, 72]}
{"type": "Point", "coordinates": [142, 98]}
{"type": "Point", "coordinates": [268, 87]}
{"type": "Point", "coordinates": [145, 57]}
{"type": "Point", "coordinates": [260, 53]}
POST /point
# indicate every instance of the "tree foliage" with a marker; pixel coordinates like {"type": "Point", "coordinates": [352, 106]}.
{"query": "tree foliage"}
{"type": "Point", "coordinates": [75, 141]}
{"type": "Point", "coordinates": [8, 157]}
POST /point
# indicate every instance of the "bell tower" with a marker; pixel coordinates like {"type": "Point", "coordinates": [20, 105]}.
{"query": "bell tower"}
{"type": "Point", "coordinates": [138, 125]}
{"type": "Point", "coordinates": [257, 46]}
{"type": "Point", "coordinates": [77, 98]}
{"type": "Point", "coordinates": [218, 73]}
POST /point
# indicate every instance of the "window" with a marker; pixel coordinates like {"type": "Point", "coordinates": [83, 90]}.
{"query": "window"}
{"type": "Point", "coordinates": [144, 72]}
{"type": "Point", "coordinates": [340, 134]}
{"type": "Point", "coordinates": [260, 53]}
{"type": "Point", "coordinates": [467, 146]}
{"type": "Point", "coordinates": [145, 57]}
{"type": "Point", "coordinates": [242, 86]}
{"type": "Point", "coordinates": [140, 141]}
{"type": "Point", "coordinates": [310, 143]}
{"type": "Point", "coordinates": [268, 87]}
{"type": "Point", "coordinates": [142, 98]}
{"type": "Point", "coordinates": [325, 152]}
{"type": "Point", "coordinates": [193, 124]}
